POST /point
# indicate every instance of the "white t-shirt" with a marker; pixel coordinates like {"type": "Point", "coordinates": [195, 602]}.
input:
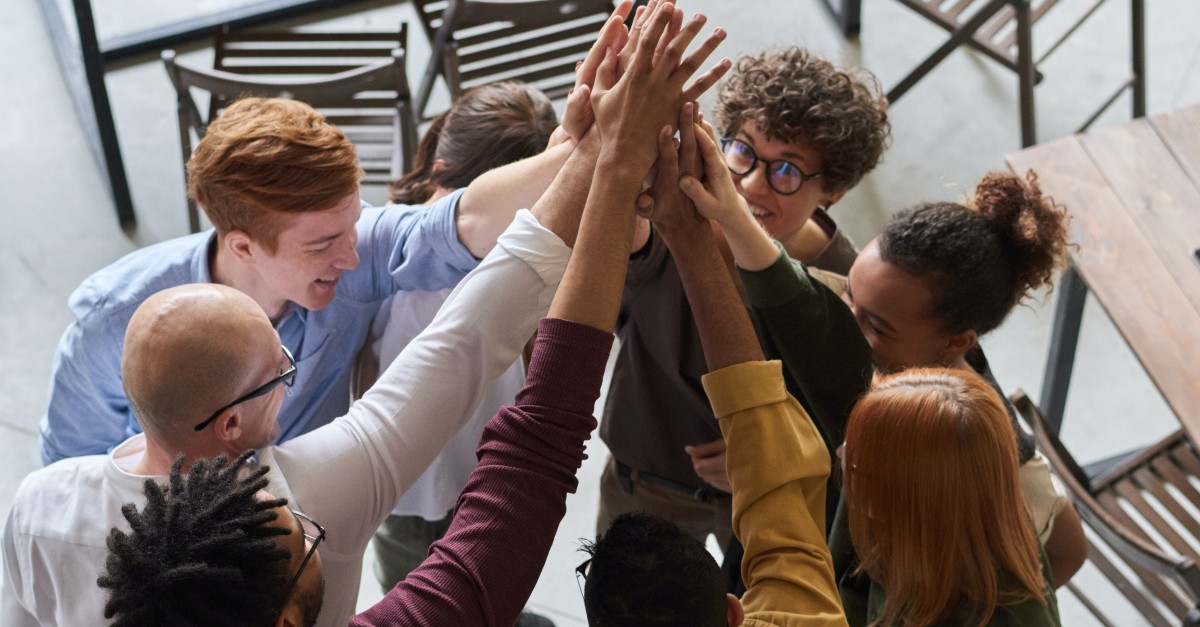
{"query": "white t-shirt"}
{"type": "Point", "coordinates": [347, 475]}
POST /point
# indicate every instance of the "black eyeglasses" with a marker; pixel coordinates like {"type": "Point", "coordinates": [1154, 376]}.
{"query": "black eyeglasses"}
{"type": "Point", "coordinates": [782, 176]}
{"type": "Point", "coordinates": [287, 377]}
{"type": "Point", "coordinates": [315, 534]}
{"type": "Point", "coordinates": [581, 573]}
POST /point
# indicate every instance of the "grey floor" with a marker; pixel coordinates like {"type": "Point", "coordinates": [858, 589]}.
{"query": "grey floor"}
{"type": "Point", "coordinates": [949, 130]}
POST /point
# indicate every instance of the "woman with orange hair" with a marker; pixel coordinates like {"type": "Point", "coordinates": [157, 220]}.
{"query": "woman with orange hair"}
{"type": "Point", "coordinates": [935, 506]}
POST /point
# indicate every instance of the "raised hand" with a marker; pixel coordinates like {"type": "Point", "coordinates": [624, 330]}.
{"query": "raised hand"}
{"type": "Point", "coordinates": [664, 203]}
{"type": "Point", "coordinates": [630, 109]}
{"type": "Point", "coordinates": [716, 198]}
{"type": "Point", "coordinates": [578, 117]}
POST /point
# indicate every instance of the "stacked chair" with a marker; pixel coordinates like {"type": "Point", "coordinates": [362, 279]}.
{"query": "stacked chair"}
{"type": "Point", "coordinates": [357, 80]}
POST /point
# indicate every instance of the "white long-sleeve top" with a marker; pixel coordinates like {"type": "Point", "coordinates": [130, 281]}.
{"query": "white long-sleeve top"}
{"type": "Point", "coordinates": [347, 475]}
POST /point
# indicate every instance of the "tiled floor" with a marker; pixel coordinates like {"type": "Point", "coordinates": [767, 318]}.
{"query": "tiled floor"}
{"type": "Point", "coordinates": [948, 131]}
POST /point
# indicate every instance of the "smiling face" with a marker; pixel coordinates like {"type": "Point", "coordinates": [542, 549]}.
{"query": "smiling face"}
{"type": "Point", "coordinates": [895, 311]}
{"type": "Point", "coordinates": [781, 215]}
{"type": "Point", "coordinates": [310, 255]}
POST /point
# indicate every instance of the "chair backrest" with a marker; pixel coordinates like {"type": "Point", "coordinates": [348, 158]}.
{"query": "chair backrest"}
{"type": "Point", "coordinates": [475, 42]}
{"type": "Point", "coordinates": [1160, 582]}
{"type": "Point", "coordinates": [357, 80]}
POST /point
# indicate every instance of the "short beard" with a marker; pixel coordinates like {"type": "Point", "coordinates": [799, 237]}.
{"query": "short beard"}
{"type": "Point", "coordinates": [310, 604]}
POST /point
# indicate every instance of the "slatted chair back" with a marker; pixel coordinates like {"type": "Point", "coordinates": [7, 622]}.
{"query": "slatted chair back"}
{"type": "Point", "coordinates": [357, 80]}
{"type": "Point", "coordinates": [476, 42]}
{"type": "Point", "coordinates": [1135, 533]}
{"type": "Point", "coordinates": [1003, 30]}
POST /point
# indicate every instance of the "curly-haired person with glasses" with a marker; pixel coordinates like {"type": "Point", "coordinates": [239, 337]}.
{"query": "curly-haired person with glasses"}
{"type": "Point", "coordinates": [798, 133]}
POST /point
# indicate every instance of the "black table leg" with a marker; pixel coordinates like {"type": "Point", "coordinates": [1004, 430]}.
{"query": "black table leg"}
{"type": "Point", "coordinates": [83, 68]}
{"type": "Point", "coordinates": [1061, 361]}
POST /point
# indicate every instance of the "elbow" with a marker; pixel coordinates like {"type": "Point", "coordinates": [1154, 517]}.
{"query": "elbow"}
{"type": "Point", "coordinates": [1067, 546]}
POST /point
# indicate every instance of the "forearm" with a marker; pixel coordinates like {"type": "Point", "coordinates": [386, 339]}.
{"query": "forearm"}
{"type": "Point", "coordinates": [491, 200]}
{"type": "Point", "coordinates": [561, 207]}
{"type": "Point", "coordinates": [725, 330]}
{"type": "Point", "coordinates": [591, 288]}
{"type": "Point", "coordinates": [484, 569]}
{"type": "Point", "coordinates": [753, 249]}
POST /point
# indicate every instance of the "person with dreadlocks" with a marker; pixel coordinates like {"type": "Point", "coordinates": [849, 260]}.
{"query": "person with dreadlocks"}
{"type": "Point", "coordinates": [203, 365]}
{"type": "Point", "coordinates": [210, 541]}
{"type": "Point", "coordinates": [482, 571]}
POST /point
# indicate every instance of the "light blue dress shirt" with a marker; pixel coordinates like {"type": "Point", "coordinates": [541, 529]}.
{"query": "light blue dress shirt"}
{"type": "Point", "coordinates": [400, 247]}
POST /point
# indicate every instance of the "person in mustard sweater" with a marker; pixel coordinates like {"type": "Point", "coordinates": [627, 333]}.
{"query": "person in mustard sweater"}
{"type": "Point", "coordinates": [646, 571]}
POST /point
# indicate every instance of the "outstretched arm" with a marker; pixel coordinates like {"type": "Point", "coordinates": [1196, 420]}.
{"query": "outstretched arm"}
{"type": "Point", "coordinates": [482, 572]}
{"type": "Point", "coordinates": [490, 201]}
{"type": "Point", "coordinates": [777, 462]}
{"type": "Point", "coordinates": [725, 330]}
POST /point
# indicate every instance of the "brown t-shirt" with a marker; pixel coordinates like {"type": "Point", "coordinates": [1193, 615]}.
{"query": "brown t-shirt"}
{"type": "Point", "coordinates": [656, 404]}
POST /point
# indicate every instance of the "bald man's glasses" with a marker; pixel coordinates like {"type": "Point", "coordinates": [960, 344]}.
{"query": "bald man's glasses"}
{"type": "Point", "coordinates": [287, 377]}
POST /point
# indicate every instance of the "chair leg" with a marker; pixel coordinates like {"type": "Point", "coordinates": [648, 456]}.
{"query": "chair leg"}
{"type": "Point", "coordinates": [1068, 317]}
{"type": "Point", "coordinates": [1026, 72]}
{"type": "Point", "coordinates": [957, 38]}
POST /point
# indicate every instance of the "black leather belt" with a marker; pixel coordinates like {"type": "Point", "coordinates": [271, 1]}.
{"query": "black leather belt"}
{"type": "Point", "coordinates": [627, 475]}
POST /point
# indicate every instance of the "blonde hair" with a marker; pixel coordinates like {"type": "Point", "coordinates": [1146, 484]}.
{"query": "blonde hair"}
{"type": "Point", "coordinates": [934, 499]}
{"type": "Point", "coordinates": [264, 158]}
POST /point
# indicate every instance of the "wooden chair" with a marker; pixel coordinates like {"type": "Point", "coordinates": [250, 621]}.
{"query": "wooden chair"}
{"type": "Point", "coordinates": [1003, 30]}
{"type": "Point", "coordinates": [475, 42]}
{"type": "Point", "coordinates": [357, 80]}
{"type": "Point", "coordinates": [1143, 534]}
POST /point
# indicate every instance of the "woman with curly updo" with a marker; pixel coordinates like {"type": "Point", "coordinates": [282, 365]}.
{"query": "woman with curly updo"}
{"type": "Point", "coordinates": [942, 274]}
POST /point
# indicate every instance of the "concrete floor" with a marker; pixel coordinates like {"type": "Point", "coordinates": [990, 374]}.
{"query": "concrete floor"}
{"type": "Point", "coordinates": [949, 130]}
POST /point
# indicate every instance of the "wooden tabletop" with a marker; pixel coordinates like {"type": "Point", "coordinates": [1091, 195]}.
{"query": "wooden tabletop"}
{"type": "Point", "coordinates": [1134, 193]}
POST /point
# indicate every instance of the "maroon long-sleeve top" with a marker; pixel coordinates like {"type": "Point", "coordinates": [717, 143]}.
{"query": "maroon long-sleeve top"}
{"type": "Point", "coordinates": [483, 571]}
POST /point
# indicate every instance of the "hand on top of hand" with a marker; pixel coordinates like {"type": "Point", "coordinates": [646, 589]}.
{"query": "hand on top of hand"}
{"type": "Point", "coordinates": [631, 108]}
{"type": "Point", "coordinates": [715, 196]}
{"type": "Point", "coordinates": [577, 117]}
{"type": "Point", "coordinates": [664, 203]}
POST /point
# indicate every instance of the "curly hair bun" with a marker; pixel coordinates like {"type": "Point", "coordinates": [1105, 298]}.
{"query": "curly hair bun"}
{"type": "Point", "coordinates": [1032, 226]}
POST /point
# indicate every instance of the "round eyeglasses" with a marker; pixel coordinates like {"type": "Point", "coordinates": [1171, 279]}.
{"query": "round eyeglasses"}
{"type": "Point", "coordinates": [783, 176]}
{"type": "Point", "coordinates": [287, 377]}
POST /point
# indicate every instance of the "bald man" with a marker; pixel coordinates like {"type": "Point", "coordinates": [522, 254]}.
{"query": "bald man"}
{"type": "Point", "coordinates": [206, 374]}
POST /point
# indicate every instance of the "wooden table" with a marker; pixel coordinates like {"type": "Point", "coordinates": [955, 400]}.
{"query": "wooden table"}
{"type": "Point", "coordinates": [1134, 192]}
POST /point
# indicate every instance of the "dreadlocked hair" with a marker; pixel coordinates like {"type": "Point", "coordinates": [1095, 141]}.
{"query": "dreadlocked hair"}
{"type": "Point", "coordinates": [201, 552]}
